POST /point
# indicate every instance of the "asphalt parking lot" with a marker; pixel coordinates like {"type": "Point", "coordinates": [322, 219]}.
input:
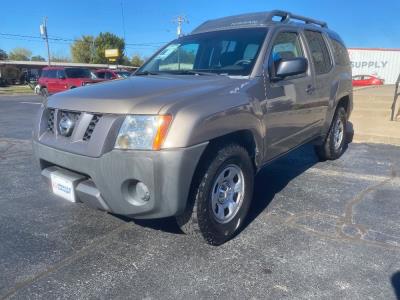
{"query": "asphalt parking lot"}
{"type": "Point", "coordinates": [316, 230]}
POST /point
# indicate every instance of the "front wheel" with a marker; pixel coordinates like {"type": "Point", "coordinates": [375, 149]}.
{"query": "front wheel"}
{"type": "Point", "coordinates": [220, 195]}
{"type": "Point", "coordinates": [335, 142]}
{"type": "Point", "coordinates": [44, 92]}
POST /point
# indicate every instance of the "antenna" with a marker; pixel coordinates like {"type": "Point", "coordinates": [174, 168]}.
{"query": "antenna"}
{"type": "Point", "coordinates": [179, 21]}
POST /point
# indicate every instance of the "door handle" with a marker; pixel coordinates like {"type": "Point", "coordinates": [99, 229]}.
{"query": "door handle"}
{"type": "Point", "coordinates": [310, 89]}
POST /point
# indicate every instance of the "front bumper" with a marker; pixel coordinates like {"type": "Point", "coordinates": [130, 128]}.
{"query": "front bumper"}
{"type": "Point", "coordinates": [166, 173]}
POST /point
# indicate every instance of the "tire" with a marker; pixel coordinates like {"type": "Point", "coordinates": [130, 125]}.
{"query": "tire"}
{"type": "Point", "coordinates": [44, 92]}
{"type": "Point", "coordinates": [336, 139]}
{"type": "Point", "coordinates": [220, 197]}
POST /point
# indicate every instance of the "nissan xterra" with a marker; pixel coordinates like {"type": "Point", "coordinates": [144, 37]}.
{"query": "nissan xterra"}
{"type": "Point", "coordinates": [185, 136]}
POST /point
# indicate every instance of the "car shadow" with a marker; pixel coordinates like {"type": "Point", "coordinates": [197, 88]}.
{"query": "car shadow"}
{"type": "Point", "coordinates": [274, 177]}
{"type": "Point", "coordinates": [396, 284]}
{"type": "Point", "coordinates": [168, 225]}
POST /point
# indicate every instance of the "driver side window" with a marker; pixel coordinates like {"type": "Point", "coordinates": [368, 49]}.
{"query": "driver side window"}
{"type": "Point", "coordinates": [286, 45]}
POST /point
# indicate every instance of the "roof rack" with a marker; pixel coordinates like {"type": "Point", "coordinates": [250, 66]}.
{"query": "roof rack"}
{"type": "Point", "coordinates": [287, 16]}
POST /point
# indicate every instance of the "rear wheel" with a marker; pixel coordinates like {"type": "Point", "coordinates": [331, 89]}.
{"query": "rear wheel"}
{"type": "Point", "coordinates": [335, 142]}
{"type": "Point", "coordinates": [220, 195]}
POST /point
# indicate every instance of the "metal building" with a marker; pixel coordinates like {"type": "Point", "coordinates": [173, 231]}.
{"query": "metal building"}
{"type": "Point", "coordinates": [383, 63]}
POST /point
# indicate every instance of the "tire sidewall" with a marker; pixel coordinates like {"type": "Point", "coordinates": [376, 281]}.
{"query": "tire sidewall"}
{"type": "Point", "coordinates": [340, 113]}
{"type": "Point", "coordinates": [207, 222]}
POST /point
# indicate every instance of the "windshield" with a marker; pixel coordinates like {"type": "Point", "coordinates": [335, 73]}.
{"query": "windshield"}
{"type": "Point", "coordinates": [230, 52]}
{"type": "Point", "coordinates": [123, 74]}
{"type": "Point", "coordinates": [78, 73]}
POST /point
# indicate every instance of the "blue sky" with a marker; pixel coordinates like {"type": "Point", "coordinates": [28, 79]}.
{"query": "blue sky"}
{"type": "Point", "coordinates": [360, 23]}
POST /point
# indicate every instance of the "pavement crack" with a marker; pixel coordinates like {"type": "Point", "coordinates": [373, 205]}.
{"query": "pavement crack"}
{"type": "Point", "coordinates": [347, 228]}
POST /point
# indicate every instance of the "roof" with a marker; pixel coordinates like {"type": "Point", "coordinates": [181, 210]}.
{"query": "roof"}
{"type": "Point", "coordinates": [258, 19]}
{"type": "Point", "coordinates": [376, 49]}
{"type": "Point", "coordinates": [60, 64]}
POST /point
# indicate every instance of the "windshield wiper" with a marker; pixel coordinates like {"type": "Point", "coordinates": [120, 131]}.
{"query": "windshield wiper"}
{"type": "Point", "coordinates": [145, 73]}
{"type": "Point", "coordinates": [190, 72]}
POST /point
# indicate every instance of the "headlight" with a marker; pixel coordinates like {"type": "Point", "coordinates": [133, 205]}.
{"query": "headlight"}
{"type": "Point", "coordinates": [143, 132]}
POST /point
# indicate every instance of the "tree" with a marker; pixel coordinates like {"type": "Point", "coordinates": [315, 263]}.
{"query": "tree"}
{"type": "Point", "coordinates": [82, 49]}
{"type": "Point", "coordinates": [37, 58]}
{"type": "Point", "coordinates": [105, 41]}
{"type": "Point", "coordinates": [60, 58]}
{"type": "Point", "coordinates": [20, 54]}
{"type": "Point", "coordinates": [3, 55]}
{"type": "Point", "coordinates": [137, 60]}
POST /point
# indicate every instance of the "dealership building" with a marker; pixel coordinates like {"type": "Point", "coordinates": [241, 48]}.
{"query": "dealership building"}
{"type": "Point", "coordinates": [382, 63]}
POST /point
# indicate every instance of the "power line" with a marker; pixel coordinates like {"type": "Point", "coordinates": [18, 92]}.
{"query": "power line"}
{"type": "Point", "coordinates": [60, 39]}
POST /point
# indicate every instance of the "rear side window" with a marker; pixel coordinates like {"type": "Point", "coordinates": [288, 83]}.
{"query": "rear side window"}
{"type": "Point", "coordinates": [340, 53]}
{"type": "Point", "coordinates": [319, 52]}
{"type": "Point", "coordinates": [100, 75]}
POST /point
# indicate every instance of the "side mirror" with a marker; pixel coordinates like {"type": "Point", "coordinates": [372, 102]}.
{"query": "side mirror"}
{"type": "Point", "coordinates": [61, 77]}
{"type": "Point", "coordinates": [291, 67]}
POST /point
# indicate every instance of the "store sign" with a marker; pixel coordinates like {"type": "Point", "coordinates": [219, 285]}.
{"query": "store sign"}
{"type": "Point", "coordinates": [369, 64]}
{"type": "Point", "coordinates": [382, 63]}
{"type": "Point", "coordinates": [111, 53]}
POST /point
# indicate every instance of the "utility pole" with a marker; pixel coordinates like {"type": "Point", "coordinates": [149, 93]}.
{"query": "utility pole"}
{"type": "Point", "coordinates": [179, 21]}
{"type": "Point", "coordinates": [43, 33]}
{"type": "Point", "coordinates": [123, 19]}
{"type": "Point", "coordinates": [92, 51]}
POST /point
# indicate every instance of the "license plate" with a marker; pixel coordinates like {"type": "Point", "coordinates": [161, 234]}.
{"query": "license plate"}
{"type": "Point", "coordinates": [62, 187]}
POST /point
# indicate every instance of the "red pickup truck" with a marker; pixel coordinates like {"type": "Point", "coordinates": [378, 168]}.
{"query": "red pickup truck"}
{"type": "Point", "coordinates": [58, 79]}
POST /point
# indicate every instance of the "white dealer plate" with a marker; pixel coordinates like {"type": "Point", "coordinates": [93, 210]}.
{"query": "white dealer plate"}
{"type": "Point", "coordinates": [62, 187]}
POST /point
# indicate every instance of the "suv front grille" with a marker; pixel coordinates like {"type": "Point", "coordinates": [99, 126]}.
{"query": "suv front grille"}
{"type": "Point", "coordinates": [52, 127]}
{"type": "Point", "coordinates": [50, 121]}
{"type": "Point", "coordinates": [70, 114]}
{"type": "Point", "coordinates": [92, 125]}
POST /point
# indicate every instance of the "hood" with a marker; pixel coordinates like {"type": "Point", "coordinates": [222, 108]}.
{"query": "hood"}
{"type": "Point", "coordinates": [138, 94]}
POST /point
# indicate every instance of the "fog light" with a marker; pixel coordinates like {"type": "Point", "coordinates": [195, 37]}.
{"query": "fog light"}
{"type": "Point", "coordinates": [136, 192]}
{"type": "Point", "coordinates": [142, 191]}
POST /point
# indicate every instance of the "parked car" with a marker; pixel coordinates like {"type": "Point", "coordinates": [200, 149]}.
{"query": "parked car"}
{"type": "Point", "coordinates": [366, 80]}
{"type": "Point", "coordinates": [58, 79]}
{"type": "Point", "coordinates": [186, 135]}
{"type": "Point", "coordinates": [109, 74]}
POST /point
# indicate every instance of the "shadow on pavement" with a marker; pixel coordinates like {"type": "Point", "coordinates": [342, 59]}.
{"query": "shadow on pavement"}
{"type": "Point", "coordinates": [274, 177]}
{"type": "Point", "coordinates": [396, 284]}
{"type": "Point", "coordinates": [167, 224]}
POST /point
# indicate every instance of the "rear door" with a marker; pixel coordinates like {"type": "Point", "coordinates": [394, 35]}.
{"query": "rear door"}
{"type": "Point", "coordinates": [322, 64]}
{"type": "Point", "coordinates": [288, 117]}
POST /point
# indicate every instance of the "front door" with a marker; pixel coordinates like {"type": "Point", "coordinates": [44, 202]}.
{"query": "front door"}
{"type": "Point", "coordinates": [288, 118]}
{"type": "Point", "coordinates": [52, 81]}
